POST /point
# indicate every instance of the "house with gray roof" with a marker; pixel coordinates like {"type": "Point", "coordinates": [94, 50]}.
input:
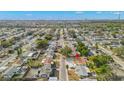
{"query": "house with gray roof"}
{"type": "Point", "coordinates": [10, 72]}
{"type": "Point", "coordinates": [82, 70]}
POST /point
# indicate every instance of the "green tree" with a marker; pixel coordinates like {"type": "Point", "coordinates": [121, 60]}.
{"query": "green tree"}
{"type": "Point", "coordinates": [67, 67]}
{"type": "Point", "coordinates": [119, 51]}
{"type": "Point", "coordinates": [6, 43]}
{"type": "Point", "coordinates": [66, 51]}
{"type": "Point", "coordinates": [84, 51]}
{"type": "Point", "coordinates": [99, 65]}
{"type": "Point", "coordinates": [122, 41]}
{"type": "Point", "coordinates": [100, 60]}
{"type": "Point", "coordinates": [19, 51]}
{"type": "Point", "coordinates": [41, 43]}
{"type": "Point", "coordinates": [48, 37]}
{"type": "Point", "coordinates": [96, 46]}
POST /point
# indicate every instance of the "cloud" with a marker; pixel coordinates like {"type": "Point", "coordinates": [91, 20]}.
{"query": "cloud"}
{"type": "Point", "coordinates": [78, 12]}
{"type": "Point", "coordinates": [28, 14]}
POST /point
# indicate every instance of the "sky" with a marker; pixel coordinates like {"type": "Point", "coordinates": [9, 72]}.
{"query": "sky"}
{"type": "Point", "coordinates": [60, 15]}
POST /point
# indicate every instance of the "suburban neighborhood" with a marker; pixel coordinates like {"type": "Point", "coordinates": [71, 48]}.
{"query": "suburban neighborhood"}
{"type": "Point", "coordinates": [38, 50]}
